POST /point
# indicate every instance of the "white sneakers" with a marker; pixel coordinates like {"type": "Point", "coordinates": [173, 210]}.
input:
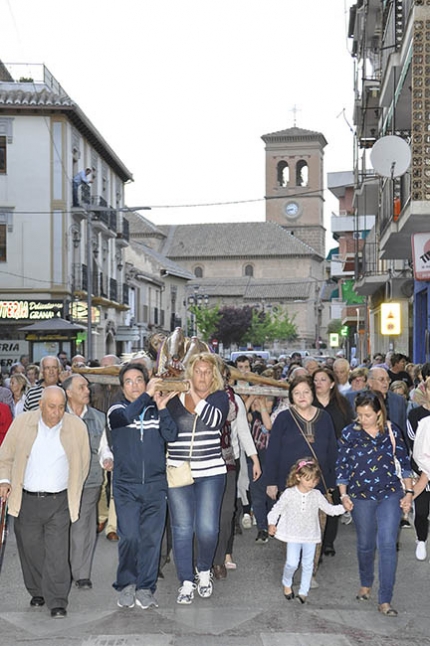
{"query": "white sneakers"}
{"type": "Point", "coordinates": [186, 592]}
{"type": "Point", "coordinates": [421, 551]}
{"type": "Point", "coordinates": [246, 521]}
{"type": "Point", "coordinates": [346, 518]}
{"type": "Point", "coordinates": [204, 583]}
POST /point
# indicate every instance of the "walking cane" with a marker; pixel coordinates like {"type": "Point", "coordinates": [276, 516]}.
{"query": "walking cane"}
{"type": "Point", "coordinates": [3, 528]}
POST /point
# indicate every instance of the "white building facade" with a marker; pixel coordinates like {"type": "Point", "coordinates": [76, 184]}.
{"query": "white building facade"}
{"type": "Point", "coordinates": [51, 253]}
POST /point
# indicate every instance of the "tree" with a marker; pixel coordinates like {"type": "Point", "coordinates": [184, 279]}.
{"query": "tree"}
{"type": "Point", "coordinates": [334, 326]}
{"type": "Point", "coordinates": [283, 328]}
{"type": "Point", "coordinates": [233, 324]}
{"type": "Point", "coordinates": [206, 319]}
{"type": "Point", "coordinates": [270, 326]}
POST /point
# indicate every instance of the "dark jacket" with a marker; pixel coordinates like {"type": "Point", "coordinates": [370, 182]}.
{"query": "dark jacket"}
{"type": "Point", "coordinates": [139, 446]}
{"type": "Point", "coordinates": [286, 445]}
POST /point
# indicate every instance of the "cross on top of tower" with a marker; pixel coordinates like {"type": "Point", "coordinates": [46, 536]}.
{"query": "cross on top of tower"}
{"type": "Point", "coordinates": [295, 110]}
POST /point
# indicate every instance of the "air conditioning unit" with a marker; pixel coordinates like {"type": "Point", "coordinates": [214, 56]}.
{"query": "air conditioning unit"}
{"type": "Point", "coordinates": [399, 288]}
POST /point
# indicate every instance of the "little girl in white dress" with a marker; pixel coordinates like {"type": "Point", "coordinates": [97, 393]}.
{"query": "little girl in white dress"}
{"type": "Point", "coordinates": [295, 520]}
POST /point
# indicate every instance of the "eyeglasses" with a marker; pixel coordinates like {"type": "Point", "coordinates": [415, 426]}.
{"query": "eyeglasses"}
{"type": "Point", "coordinates": [138, 381]}
{"type": "Point", "coordinates": [382, 380]}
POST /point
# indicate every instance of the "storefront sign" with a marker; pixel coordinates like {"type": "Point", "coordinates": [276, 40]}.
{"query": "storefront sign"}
{"type": "Point", "coordinates": [421, 255]}
{"type": "Point", "coordinates": [30, 310]}
{"type": "Point", "coordinates": [390, 319]}
{"type": "Point", "coordinates": [79, 310]}
{"type": "Point", "coordinates": [11, 351]}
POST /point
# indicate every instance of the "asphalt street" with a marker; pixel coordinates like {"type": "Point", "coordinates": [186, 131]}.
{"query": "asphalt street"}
{"type": "Point", "coordinates": [246, 609]}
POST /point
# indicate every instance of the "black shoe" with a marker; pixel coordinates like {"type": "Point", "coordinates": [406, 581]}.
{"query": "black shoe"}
{"type": "Point", "coordinates": [289, 595]}
{"type": "Point", "coordinates": [37, 602]}
{"type": "Point", "coordinates": [329, 550]}
{"type": "Point", "coordinates": [262, 536]}
{"type": "Point", "coordinates": [83, 584]}
{"type": "Point", "coordinates": [58, 613]}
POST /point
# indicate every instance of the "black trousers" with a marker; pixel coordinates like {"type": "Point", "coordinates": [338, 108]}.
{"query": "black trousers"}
{"type": "Point", "coordinates": [422, 506]}
{"type": "Point", "coordinates": [42, 536]}
{"type": "Point", "coordinates": [141, 514]}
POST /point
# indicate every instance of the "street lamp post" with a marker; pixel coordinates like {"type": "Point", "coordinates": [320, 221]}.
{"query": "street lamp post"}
{"type": "Point", "coordinates": [195, 300]}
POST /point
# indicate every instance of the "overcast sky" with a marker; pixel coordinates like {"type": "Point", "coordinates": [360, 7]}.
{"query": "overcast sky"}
{"type": "Point", "coordinates": [183, 90]}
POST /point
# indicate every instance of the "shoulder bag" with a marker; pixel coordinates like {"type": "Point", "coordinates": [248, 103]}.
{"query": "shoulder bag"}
{"type": "Point", "coordinates": [328, 493]}
{"type": "Point", "coordinates": [181, 476]}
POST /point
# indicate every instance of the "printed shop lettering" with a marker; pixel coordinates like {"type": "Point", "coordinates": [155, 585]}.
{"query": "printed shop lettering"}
{"type": "Point", "coordinates": [33, 310]}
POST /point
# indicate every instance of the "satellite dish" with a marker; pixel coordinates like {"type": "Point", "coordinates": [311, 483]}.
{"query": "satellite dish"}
{"type": "Point", "coordinates": [391, 156]}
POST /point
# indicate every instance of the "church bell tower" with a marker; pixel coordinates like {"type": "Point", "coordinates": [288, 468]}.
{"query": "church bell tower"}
{"type": "Point", "coordinates": [294, 184]}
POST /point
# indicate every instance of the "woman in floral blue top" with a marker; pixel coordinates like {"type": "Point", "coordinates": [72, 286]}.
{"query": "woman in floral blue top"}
{"type": "Point", "coordinates": [369, 486]}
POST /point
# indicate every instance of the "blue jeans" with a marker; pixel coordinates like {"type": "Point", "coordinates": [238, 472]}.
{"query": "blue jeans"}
{"type": "Point", "coordinates": [195, 509]}
{"type": "Point", "coordinates": [307, 550]}
{"type": "Point", "coordinates": [377, 526]}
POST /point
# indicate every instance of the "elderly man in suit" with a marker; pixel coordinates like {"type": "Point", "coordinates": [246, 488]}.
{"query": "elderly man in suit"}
{"type": "Point", "coordinates": [44, 461]}
{"type": "Point", "coordinates": [83, 533]}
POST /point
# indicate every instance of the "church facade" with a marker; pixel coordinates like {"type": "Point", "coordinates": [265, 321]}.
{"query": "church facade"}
{"type": "Point", "coordinates": [276, 263]}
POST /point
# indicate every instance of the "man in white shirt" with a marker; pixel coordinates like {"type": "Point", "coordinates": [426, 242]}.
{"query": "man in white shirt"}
{"type": "Point", "coordinates": [44, 461]}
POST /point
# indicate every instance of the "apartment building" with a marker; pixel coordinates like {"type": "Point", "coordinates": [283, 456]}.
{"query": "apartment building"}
{"type": "Point", "coordinates": [390, 45]}
{"type": "Point", "coordinates": [65, 252]}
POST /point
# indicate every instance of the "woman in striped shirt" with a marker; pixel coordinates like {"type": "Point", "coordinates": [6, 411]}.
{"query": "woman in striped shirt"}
{"type": "Point", "coordinates": [200, 415]}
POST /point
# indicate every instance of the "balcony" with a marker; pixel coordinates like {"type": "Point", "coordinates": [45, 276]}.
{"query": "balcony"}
{"type": "Point", "coordinates": [104, 217]}
{"type": "Point", "coordinates": [123, 234]}
{"type": "Point", "coordinates": [367, 120]}
{"type": "Point", "coordinates": [400, 218]}
{"type": "Point", "coordinates": [84, 200]}
{"type": "Point", "coordinates": [113, 290]}
{"type": "Point", "coordinates": [366, 196]}
{"type": "Point", "coordinates": [125, 294]}
{"type": "Point", "coordinates": [353, 314]}
{"type": "Point", "coordinates": [396, 53]}
{"type": "Point", "coordinates": [372, 274]}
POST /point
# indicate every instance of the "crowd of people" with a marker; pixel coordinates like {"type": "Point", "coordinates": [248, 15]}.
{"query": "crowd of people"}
{"type": "Point", "coordinates": [339, 441]}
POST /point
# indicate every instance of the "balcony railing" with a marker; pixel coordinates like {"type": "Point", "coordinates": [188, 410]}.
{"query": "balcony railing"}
{"type": "Point", "coordinates": [125, 294]}
{"type": "Point", "coordinates": [395, 195]}
{"type": "Point", "coordinates": [34, 73]}
{"type": "Point", "coordinates": [113, 289]}
{"type": "Point", "coordinates": [106, 215]}
{"type": "Point", "coordinates": [84, 284]}
{"type": "Point", "coordinates": [370, 263]}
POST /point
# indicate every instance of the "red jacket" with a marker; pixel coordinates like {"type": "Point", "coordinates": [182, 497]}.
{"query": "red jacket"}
{"type": "Point", "coordinates": [6, 420]}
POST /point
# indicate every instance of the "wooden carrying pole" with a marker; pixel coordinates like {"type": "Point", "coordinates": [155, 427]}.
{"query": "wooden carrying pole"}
{"type": "Point", "coordinates": [266, 386]}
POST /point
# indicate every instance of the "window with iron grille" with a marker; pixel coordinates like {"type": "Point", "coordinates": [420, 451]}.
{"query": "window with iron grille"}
{"type": "Point", "coordinates": [113, 290]}
{"type": "Point", "coordinates": [3, 155]}
{"type": "Point", "coordinates": [3, 243]}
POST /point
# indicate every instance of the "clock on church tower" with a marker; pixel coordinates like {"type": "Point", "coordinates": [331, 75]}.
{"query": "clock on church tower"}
{"type": "Point", "coordinates": [294, 183]}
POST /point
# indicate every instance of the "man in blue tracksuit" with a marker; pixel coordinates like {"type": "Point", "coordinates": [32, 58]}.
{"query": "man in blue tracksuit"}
{"type": "Point", "coordinates": [139, 425]}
